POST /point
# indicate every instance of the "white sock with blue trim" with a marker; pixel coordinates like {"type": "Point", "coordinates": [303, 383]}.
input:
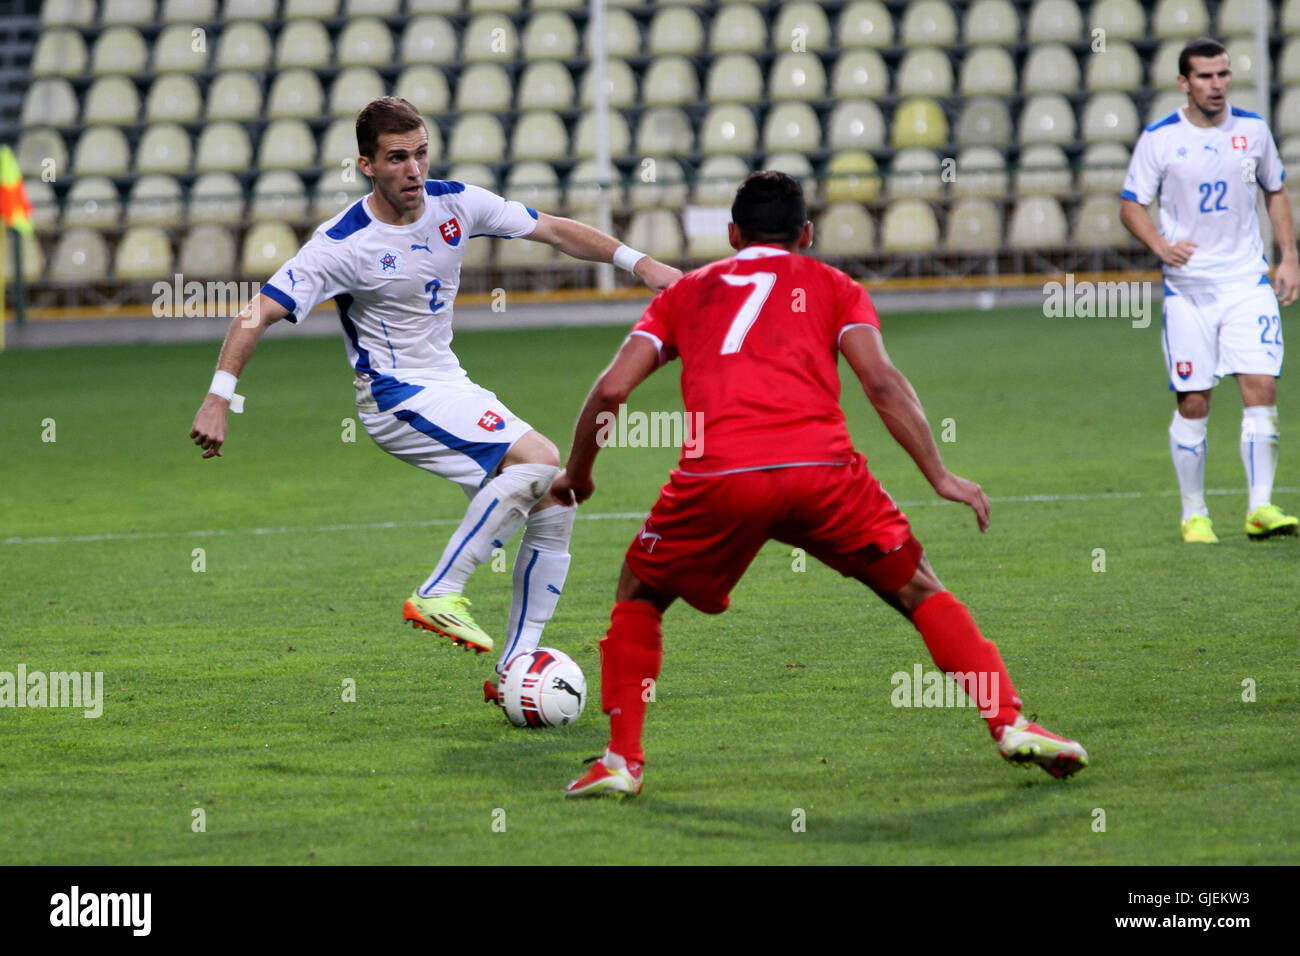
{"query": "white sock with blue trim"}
{"type": "Point", "coordinates": [1187, 445]}
{"type": "Point", "coordinates": [1259, 441]}
{"type": "Point", "coordinates": [540, 569]}
{"type": "Point", "coordinates": [493, 517]}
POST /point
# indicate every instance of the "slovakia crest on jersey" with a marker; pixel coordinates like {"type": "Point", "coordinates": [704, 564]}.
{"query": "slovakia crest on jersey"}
{"type": "Point", "coordinates": [1239, 142]}
{"type": "Point", "coordinates": [389, 262]}
{"type": "Point", "coordinates": [491, 422]}
{"type": "Point", "coordinates": [450, 232]}
{"type": "Point", "coordinates": [1184, 370]}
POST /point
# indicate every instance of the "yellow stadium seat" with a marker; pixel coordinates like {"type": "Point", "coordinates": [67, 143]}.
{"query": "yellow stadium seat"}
{"type": "Point", "coordinates": [980, 173]}
{"type": "Point", "coordinates": [851, 176]}
{"type": "Point", "coordinates": [1097, 224]}
{"type": "Point", "coordinates": [365, 42]}
{"type": "Point", "coordinates": [144, 252]}
{"type": "Point", "coordinates": [539, 134]}
{"type": "Point", "coordinates": [1118, 69]}
{"type": "Point", "coordinates": [1038, 222]}
{"type": "Point", "coordinates": [584, 136]}
{"type": "Point", "coordinates": [59, 52]}
{"type": "Point", "coordinates": [45, 205]}
{"type": "Point", "coordinates": [583, 194]}
{"type": "Point", "coordinates": [984, 121]}
{"type": "Point", "coordinates": [1050, 67]}
{"type": "Point", "coordinates": [550, 35]}
{"type": "Point", "coordinates": [797, 76]}
{"type": "Point", "coordinates": [233, 10]}
{"type": "Point", "coordinates": [119, 50]}
{"type": "Point", "coordinates": [110, 101]}
{"type": "Point", "coordinates": [81, 256]}
{"type": "Point", "coordinates": [734, 78]}
{"type": "Point", "coordinates": [924, 71]}
{"type": "Point", "coordinates": [311, 9]}
{"type": "Point", "coordinates": [207, 252]}
{"type": "Point", "coordinates": [929, 23]}
{"type": "Point", "coordinates": [670, 81]}
{"type": "Point", "coordinates": [865, 23]}
{"type": "Point", "coordinates": [728, 128]}
{"type": "Point", "coordinates": [737, 28]}
{"type": "Point", "coordinates": [657, 183]}
{"type": "Point", "coordinates": [243, 46]}
{"type": "Point", "coordinates": [216, 198]}
{"type": "Point", "coordinates": [92, 202]}
{"type": "Point", "coordinates": [859, 75]}
{"type": "Point", "coordinates": [974, 225]}
{"type": "Point", "coordinates": [855, 124]}
{"type": "Point", "coordinates": [1119, 19]}
{"type": "Point", "coordinates": [1054, 21]}
{"type": "Point", "coordinates": [430, 40]}
{"type": "Point", "coordinates": [717, 179]}
{"type": "Point", "coordinates": [286, 144]}
{"type": "Point", "coordinates": [664, 131]}
{"type": "Point", "coordinates": [1044, 170]}
{"type": "Point", "coordinates": [1180, 18]}
{"type": "Point", "coordinates": [1047, 118]}
{"type": "Point", "coordinates": [801, 27]}
{"type": "Point", "coordinates": [173, 99]}
{"type": "Point", "coordinates": [658, 233]}
{"type": "Point", "coordinates": [267, 246]}
{"type": "Point", "coordinates": [223, 147]}
{"type": "Point", "coordinates": [302, 43]}
{"type": "Point", "coordinates": [622, 35]}
{"type": "Point", "coordinates": [545, 85]}
{"type": "Point", "coordinates": [1110, 117]}
{"type": "Point", "coordinates": [991, 21]}
{"type": "Point", "coordinates": [353, 88]}
{"type": "Point", "coordinates": [175, 51]}
{"type": "Point", "coordinates": [295, 93]}
{"type": "Point", "coordinates": [189, 11]}
{"type": "Point", "coordinates": [235, 95]}
{"type": "Point", "coordinates": [1288, 67]}
{"type": "Point", "coordinates": [988, 70]}
{"type": "Point", "coordinates": [619, 82]}
{"type": "Point", "coordinates": [484, 86]}
{"type": "Point", "coordinates": [155, 201]}
{"type": "Point", "coordinates": [101, 151]}
{"type": "Point", "coordinates": [164, 148]}
{"type": "Point", "coordinates": [676, 30]}
{"type": "Point", "coordinates": [919, 122]}
{"type": "Point", "coordinates": [534, 184]}
{"type": "Point", "coordinates": [335, 191]}
{"type": "Point", "coordinates": [50, 102]}
{"type": "Point", "coordinates": [798, 166]}
{"type": "Point", "coordinates": [1103, 168]}
{"type": "Point", "coordinates": [477, 137]}
{"type": "Point", "coordinates": [425, 87]}
{"type": "Point", "coordinates": [278, 196]}
{"type": "Point", "coordinates": [914, 174]}
{"type": "Point", "coordinates": [792, 126]}
{"type": "Point", "coordinates": [67, 13]}
{"type": "Point", "coordinates": [909, 226]}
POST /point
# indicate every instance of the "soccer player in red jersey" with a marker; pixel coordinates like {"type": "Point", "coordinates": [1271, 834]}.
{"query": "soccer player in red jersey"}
{"type": "Point", "coordinates": [758, 336]}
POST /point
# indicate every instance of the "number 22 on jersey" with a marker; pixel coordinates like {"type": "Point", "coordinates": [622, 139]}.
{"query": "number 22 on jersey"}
{"type": "Point", "coordinates": [749, 309]}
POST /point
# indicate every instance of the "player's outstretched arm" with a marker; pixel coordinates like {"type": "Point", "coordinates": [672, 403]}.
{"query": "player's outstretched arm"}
{"type": "Point", "coordinates": [1135, 219]}
{"type": "Point", "coordinates": [585, 242]}
{"type": "Point", "coordinates": [895, 401]}
{"type": "Point", "coordinates": [631, 366]}
{"type": "Point", "coordinates": [1286, 280]}
{"type": "Point", "coordinates": [209, 429]}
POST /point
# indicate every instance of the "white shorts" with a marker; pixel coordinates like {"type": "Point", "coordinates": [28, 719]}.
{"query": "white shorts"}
{"type": "Point", "coordinates": [1217, 330]}
{"type": "Point", "coordinates": [458, 431]}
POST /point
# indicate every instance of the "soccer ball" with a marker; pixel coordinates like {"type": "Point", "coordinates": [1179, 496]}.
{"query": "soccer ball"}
{"type": "Point", "coordinates": [543, 688]}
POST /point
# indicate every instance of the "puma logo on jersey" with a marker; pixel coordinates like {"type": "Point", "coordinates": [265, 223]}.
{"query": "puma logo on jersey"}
{"type": "Point", "coordinates": [424, 246]}
{"type": "Point", "coordinates": [648, 539]}
{"type": "Point", "coordinates": [292, 281]}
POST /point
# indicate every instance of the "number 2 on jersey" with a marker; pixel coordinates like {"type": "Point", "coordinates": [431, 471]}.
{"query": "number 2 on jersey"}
{"type": "Point", "coordinates": [1207, 190]}
{"type": "Point", "coordinates": [432, 287]}
{"type": "Point", "coordinates": [748, 311]}
{"type": "Point", "coordinates": [1273, 322]}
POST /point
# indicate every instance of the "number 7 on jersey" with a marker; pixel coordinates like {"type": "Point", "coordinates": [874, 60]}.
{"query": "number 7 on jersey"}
{"type": "Point", "coordinates": [748, 311]}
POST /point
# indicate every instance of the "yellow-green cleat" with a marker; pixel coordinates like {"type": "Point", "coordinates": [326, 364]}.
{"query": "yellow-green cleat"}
{"type": "Point", "coordinates": [449, 616]}
{"type": "Point", "coordinates": [1267, 521]}
{"type": "Point", "coordinates": [1198, 530]}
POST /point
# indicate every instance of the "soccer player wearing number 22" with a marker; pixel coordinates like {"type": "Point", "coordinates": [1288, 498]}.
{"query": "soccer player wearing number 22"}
{"type": "Point", "coordinates": [391, 262]}
{"type": "Point", "coordinates": [758, 335]}
{"type": "Point", "coordinates": [1208, 160]}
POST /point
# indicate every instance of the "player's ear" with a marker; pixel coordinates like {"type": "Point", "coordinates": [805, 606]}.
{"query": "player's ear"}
{"type": "Point", "coordinates": [805, 237]}
{"type": "Point", "coordinates": [363, 164]}
{"type": "Point", "coordinates": [733, 236]}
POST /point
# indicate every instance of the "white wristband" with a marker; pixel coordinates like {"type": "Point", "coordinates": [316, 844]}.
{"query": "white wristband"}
{"type": "Point", "coordinates": [223, 386]}
{"type": "Point", "coordinates": [625, 257]}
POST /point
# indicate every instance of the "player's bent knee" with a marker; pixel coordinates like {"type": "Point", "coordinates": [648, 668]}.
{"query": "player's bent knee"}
{"type": "Point", "coordinates": [533, 448]}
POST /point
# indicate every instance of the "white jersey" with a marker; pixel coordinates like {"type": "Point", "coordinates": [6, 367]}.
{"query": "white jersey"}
{"type": "Point", "coordinates": [394, 286]}
{"type": "Point", "coordinates": [1208, 181]}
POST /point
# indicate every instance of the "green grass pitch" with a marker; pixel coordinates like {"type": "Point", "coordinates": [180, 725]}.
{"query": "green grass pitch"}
{"type": "Point", "coordinates": [224, 687]}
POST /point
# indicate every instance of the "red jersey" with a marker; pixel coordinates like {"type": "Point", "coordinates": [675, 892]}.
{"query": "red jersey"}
{"type": "Point", "coordinates": [758, 335]}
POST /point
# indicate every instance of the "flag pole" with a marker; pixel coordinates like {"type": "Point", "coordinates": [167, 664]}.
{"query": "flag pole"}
{"type": "Point", "coordinates": [4, 268]}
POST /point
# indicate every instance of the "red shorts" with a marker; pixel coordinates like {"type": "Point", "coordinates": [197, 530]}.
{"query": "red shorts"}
{"type": "Point", "coordinates": [703, 532]}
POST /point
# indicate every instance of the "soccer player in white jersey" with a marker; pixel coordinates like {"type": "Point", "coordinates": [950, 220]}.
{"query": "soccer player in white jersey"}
{"type": "Point", "coordinates": [391, 262]}
{"type": "Point", "coordinates": [1207, 161]}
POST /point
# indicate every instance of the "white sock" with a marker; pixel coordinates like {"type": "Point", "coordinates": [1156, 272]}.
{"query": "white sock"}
{"type": "Point", "coordinates": [540, 569]}
{"type": "Point", "coordinates": [1187, 445]}
{"type": "Point", "coordinates": [493, 517]}
{"type": "Point", "coordinates": [1259, 441]}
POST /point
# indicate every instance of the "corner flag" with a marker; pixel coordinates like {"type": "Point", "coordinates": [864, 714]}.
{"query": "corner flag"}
{"type": "Point", "coordinates": [15, 207]}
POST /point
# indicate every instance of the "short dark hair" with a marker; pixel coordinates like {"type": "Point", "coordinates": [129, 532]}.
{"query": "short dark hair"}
{"type": "Point", "coordinates": [769, 207]}
{"type": "Point", "coordinates": [1202, 47]}
{"type": "Point", "coordinates": [388, 114]}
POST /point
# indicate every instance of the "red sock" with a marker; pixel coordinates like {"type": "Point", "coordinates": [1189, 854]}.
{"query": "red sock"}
{"type": "Point", "coordinates": [631, 654]}
{"type": "Point", "coordinates": [955, 643]}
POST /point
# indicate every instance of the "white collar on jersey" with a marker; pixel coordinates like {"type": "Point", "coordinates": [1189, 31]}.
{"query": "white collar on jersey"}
{"type": "Point", "coordinates": [760, 252]}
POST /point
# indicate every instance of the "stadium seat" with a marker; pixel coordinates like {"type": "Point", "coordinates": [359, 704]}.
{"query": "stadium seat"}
{"type": "Point", "coordinates": [374, 8]}
{"type": "Point", "coordinates": [295, 93]}
{"type": "Point", "coordinates": [81, 256]}
{"type": "Point", "coordinates": [657, 183]}
{"type": "Point", "coordinates": [51, 102]}
{"type": "Point", "coordinates": [365, 42]}
{"type": "Point", "coordinates": [267, 246]}
{"type": "Point", "coordinates": [216, 198]}
{"type": "Point", "coordinates": [339, 144]}
{"type": "Point", "coordinates": [286, 144]}
{"type": "Point", "coordinates": [909, 225]}
{"type": "Point", "coordinates": [801, 27]}
{"type": "Point", "coordinates": [353, 88]}
{"type": "Point", "coordinates": [851, 176]}
{"type": "Point", "coordinates": [497, 6]}
{"type": "Point", "coordinates": [981, 173]}
{"type": "Point", "coordinates": [656, 232]}
{"type": "Point", "coordinates": [92, 202]}
{"type": "Point", "coordinates": [583, 194]}
{"type": "Point", "coordinates": [1165, 103]}
{"type": "Point", "coordinates": [865, 23]}
{"type": "Point", "coordinates": [717, 179]}
{"type": "Point", "coordinates": [705, 228]}
{"type": "Point", "coordinates": [550, 35]}
{"type": "Point", "coordinates": [792, 126]}
{"type": "Point", "coordinates": [311, 9]}
{"type": "Point", "coordinates": [45, 205]}
{"type": "Point", "coordinates": [428, 40]}
{"type": "Point", "coordinates": [923, 71]}
{"type": "Point", "coordinates": [988, 70]}
{"type": "Point", "coordinates": [129, 12]}
{"type": "Point", "coordinates": [1047, 118]}
{"type": "Point", "coordinates": [670, 81]}
{"type": "Point", "coordinates": [991, 21]}
{"type": "Point", "coordinates": [484, 86]}
{"type": "Point", "coordinates": [302, 43]}
{"type": "Point", "coordinates": [1286, 117]}
{"type": "Point", "coordinates": [919, 122]}
{"type": "Point", "coordinates": [619, 82]}
{"type": "Point", "coordinates": [1038, 222]}
{"type": "Point", "coordinates": [144, 252]}
{"type": "Point", "coordinates": [189, 11]}
{"type": "Point", "coordinates": [1054, 21]}
{"type": "Point", "coordinates": [235, 95]}
{"type": "Point", "coordinates": [523, 254]}
{"type": "Point", "coordinates": [929, 23]}
{"type": "Point", "coordinates": [664, 131]}
{"type": "Point", "coordinates": [622, 35]}
{"type": "Point", "coordinates": [737, 28]}
{"type": "Point", "coordinates": [119, 50]}
{"type": "Point", "coordinates": [855, 124]}
{"type": "Point", "coordinates": [534, 184]}
{"type": "Point", "coordinates": [59, 52]}
{"type": "Point", "coordinates": [33, 254]}
{"type": "Point", "coordinates": [1103, 168]}
{"type": "Point", "coordinates": [223, 147]}
{"type": "Point", "coordinates": [1044, 170]}
{"type": "Point", "coordinates": [425, 87]}
{"type": "Point", "coordinates": [1118, 69]}
{"type": "Point", "coordinates": [100, 151]}
{"type": "Point", "coordinates": [477, 138]}
{"type": "Point", "coordinates": [414, 7]}
{"type": "Point", "coordinates": [278, 196]}
{"type": "Point", "coordinates": [1119, 19]}
{"type": "Point", "coordinates": [164, 148]}
{"type": "Point", "coordinates": [796, 76]}
{"type": "Point", "coordinates": [176, 52]}
{"type": "Point", "coordinates": [173, 99]}
{"type": "Point", "coordinates": [1097, 223]}
{"type": "Point", "coordinates": [545, 85]}
{"type": "Point", "coordinates": [110, 101]}
{"type": "Point", "coordinates": [584, 135]}
{"type": "Point", "coordinates": [1110, 117]}
{"type": "Point", "coordinates": [676, 30]}
{"type": "Point", "coordinates": [1288, 67]}
{"type": "Point", "coordinates": [207, 252]}
{"type": "Point", "coordinates": [734, 78]}
{"type": "Point", "coordinates": [859, 75]}
{"type": "Point", "coordinates": [914, 174]}
{"type": "Point", "coordinates": [728, 128]}
{"type": "Point", "coordinates": [1163, 73]}
{"type": "Point", "coordinates": [336, 190]}
{"type": "Point", "coordinates": [1290, 17]}
{"type": "Point", "coordinates": [232, 10]}
{"type": "Point", "coordinates": [974, 225]}
{"type": "Point", "coordinates": [984, 121]}
{"type": "Point", "coordinates": [1180, 18]}
{"type": "Point", "coordinates": [1241, 54]}
{"type": "Point", "coordinates": [1246, 98]}
{"type": "Point", "coordinates": [476, 174]}
{"type": "Point", "coordinates": [67, 13]}
{"type": "Point", "coordinates": [545, 4]}
{"type": "Point", "coordinates": [798, 166]}
{"type": "Point", "coordinates": [154, 201]}
{"type": "Point", "coordinates": [539, 134]}
{"type": "Point", "coordinates": [243, 46]}
{"type": "Point", "coordinates": [1050, 68]}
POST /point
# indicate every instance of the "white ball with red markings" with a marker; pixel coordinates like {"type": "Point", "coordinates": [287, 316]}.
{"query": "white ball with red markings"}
{"type": "Point", "coordinates": [543, 688]}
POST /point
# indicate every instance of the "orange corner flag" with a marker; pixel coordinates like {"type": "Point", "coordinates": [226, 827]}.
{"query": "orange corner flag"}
{"type": "Point", "coordinates": [15, 207]}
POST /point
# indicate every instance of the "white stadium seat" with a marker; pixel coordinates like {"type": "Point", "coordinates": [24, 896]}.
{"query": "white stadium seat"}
{"type": "Point", "coordinates": [915, 174]}
{"type": "Point", "coordinates": [297, 93]}
{"type": "Point", "coordinates": [539, 134]}
{"type": "Point", "coordinates": [484, 86]}
{"type": "Point", "coordinates": [243, 46]}
{"type": "Point", "coordinates": [984, 121]}
{"type": "Point", "coordinates": [353, 88]}
{"type": "Point", "coordinates": [550, 35]}
{"type": "Point", "coordinates": [545, 85]}
{"type": "Point", "coordinates": [717, 179]}
{"type": "Point", "coordinates": [100, 151]}
{"type": "Point", "coordinates": [81, 256]}
{"type": "Point", "coordinates": [909, 226]}
{"type": "Point", "coordinates": [144, 252]}
{"type": "Point", "coordinates": [657, 183]}
{"type": "Point", "coordinates": [991, 21]}
{"type": "Point", "coordinates": [734, 78]}
{"type": "Point", "coordinates": [164, 148]}
{"type": "Point", "coordinates": [974, 225]}
{"type": "Point", "coordinates": [1044, 170]}
{"type": "Point", "coordinates": [1050, 67]}
{"type": "Point", "coordinates": [1054, 21]}
{"type": "Point", "coordinates": [793, 127]}
{"type": "Point", "coordinates": [1037, 223]}
{"type": "Point", "coordinates": [801, 26]}
{"type": "Point", "coordinates": [797, 76]}
{"type": "Point", "coordinates": [1180, 18]}
{"type": "Point", "coordinates": [859, 75]}
{"type": "Point", "coordinates": [111, 101]}
{"type": "Point", "coordinates": [155, 201]}
{"type": "Point", "coordinates": [234, 96]}
{"type": "Point", "coordinates": [425, 87]}
{"type": "Point", "coordinates": [620, 85]}
{"type": "Point", "coordinates": [428, 40]}
{"type": "Point", "coordinates": [174, 99]}
{"type": "Point", "coordinates": [865, 24]}
{"type": "Point", "coordinates": [981, 173]}
{"type": "Point", "coordinates": [216, 197]}
{"type": "Point", "coordinates": [207, 252]}
{"type": "Point", "coordinates": [51, 102]}
{"type": "Point", "coordinates": [728, 128]}
{"type": "Point", "coordinates": [175, 50]}
{"type": "Point", "coordinates": [664, 131]}
{"type": "Point", "coordinates": [92, 202]}
{"type": "Point", "coordinates": [929, 23]}
{"type": "Point", "coordinates": [223, 147]}
{"type": "Point", "coordinates": [278, 196]}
